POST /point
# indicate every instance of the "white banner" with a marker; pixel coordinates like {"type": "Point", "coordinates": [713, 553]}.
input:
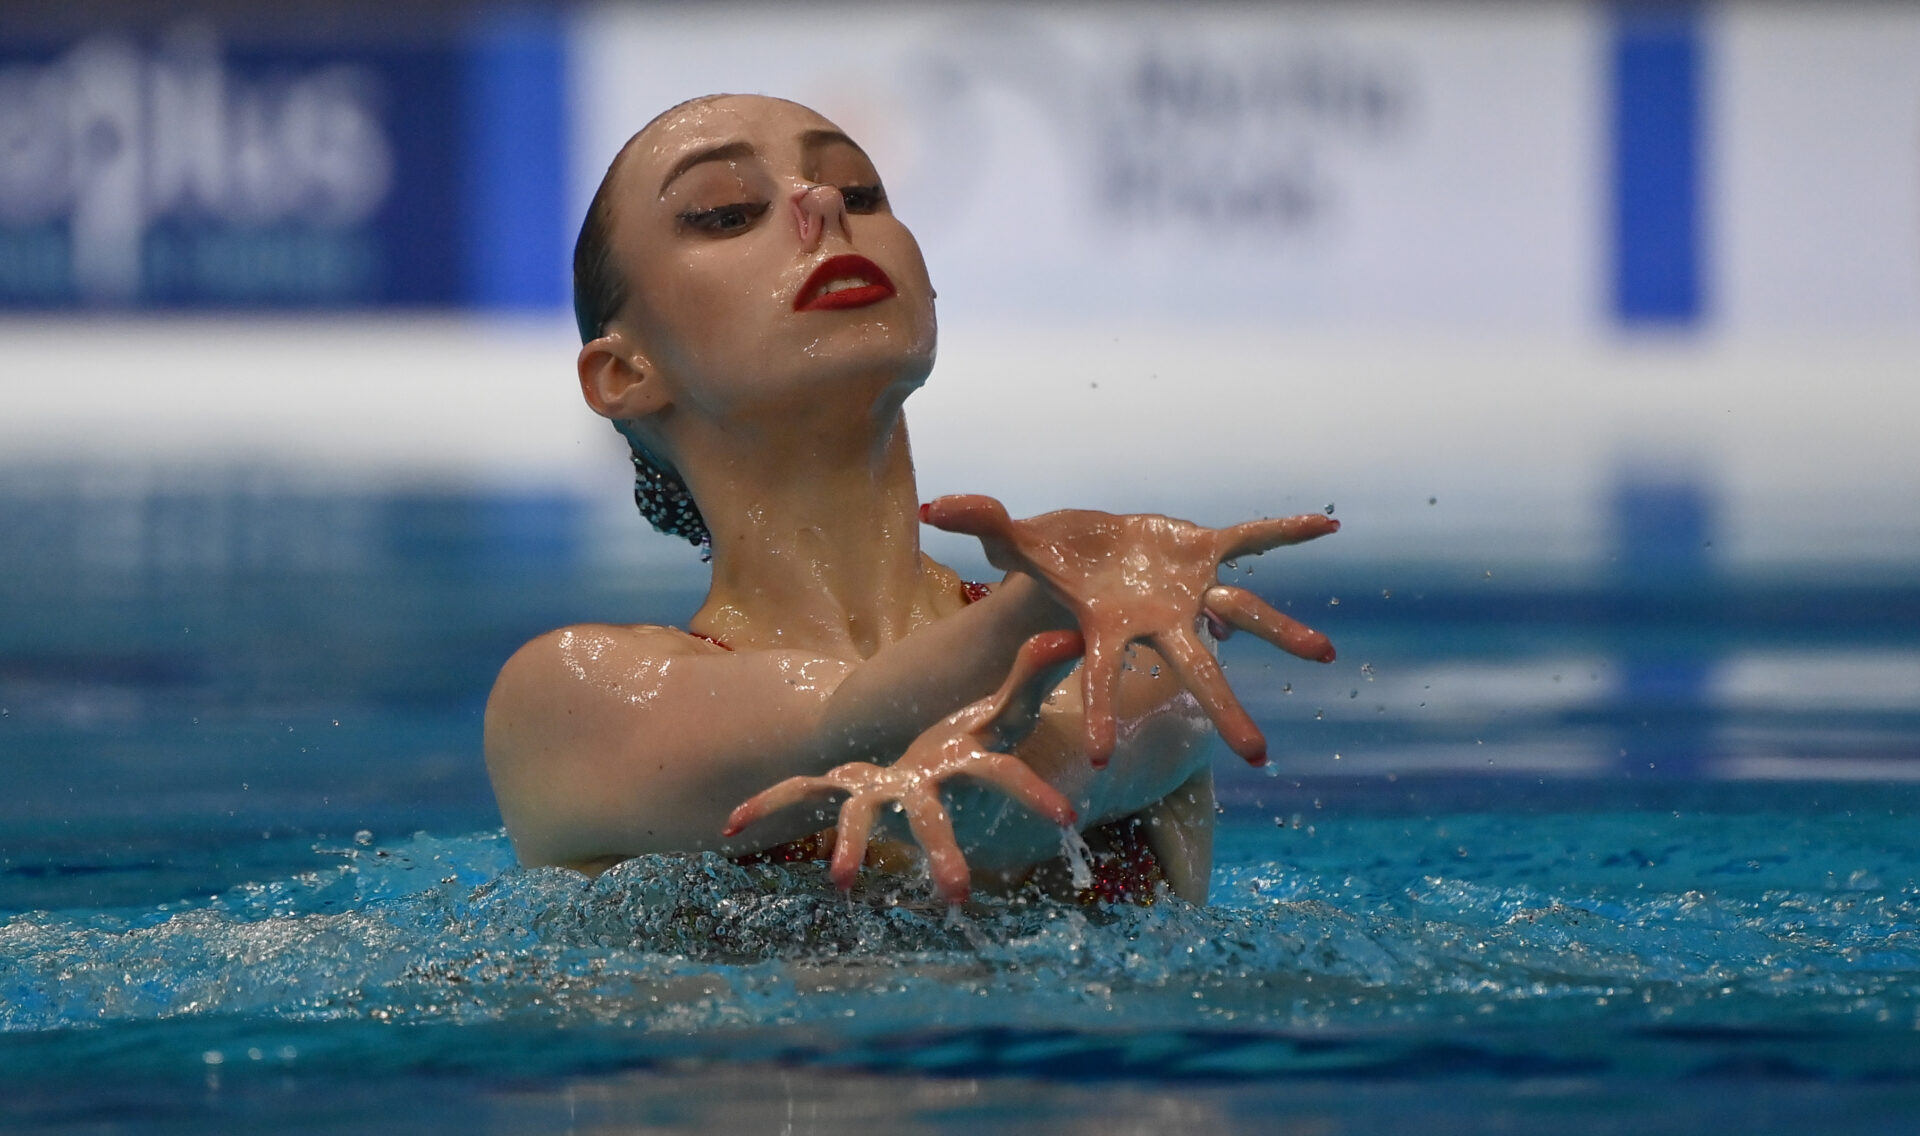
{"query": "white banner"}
{"type": "Point", "coordinates": [1329, 166]}
{"type": "Point", "coordinates": [1816, 166]}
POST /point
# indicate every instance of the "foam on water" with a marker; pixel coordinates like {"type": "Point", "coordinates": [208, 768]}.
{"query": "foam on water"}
{"type": "Point", "coordinates": [1580, 925]}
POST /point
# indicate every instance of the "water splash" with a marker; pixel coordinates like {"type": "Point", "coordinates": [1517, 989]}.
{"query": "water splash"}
{"type": "Point", "coordinates": [1347, 923]}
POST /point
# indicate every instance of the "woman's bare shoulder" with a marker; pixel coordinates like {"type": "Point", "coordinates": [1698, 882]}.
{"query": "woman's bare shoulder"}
{"type": "Point", "coordinates": [586, 641]}
{"type": "Point", "coordinates": [608, 739]}
{"type": "Point", "coordinates": [549, 665]}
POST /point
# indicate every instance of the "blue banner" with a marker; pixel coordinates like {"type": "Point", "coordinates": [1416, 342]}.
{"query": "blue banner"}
{"type": "Point", "coordinates": [1656, 74]}
{"type": "Point", "coordinates": [179, 170]}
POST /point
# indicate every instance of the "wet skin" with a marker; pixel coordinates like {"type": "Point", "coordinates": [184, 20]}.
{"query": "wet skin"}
{"type": "Point", "coordinates": [737, 220]}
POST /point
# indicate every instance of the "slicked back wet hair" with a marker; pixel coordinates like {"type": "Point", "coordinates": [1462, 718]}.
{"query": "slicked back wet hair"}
{"type": "Point", "coordinates": [600, 290]}
{"type": "Point", "coordinates": [599, 287]}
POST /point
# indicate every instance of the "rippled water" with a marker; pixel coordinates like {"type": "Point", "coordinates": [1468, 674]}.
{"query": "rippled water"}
{"type": "Point", "coordinates": [1475, 913]}
{"type": "Point", "coordinates": [1780, 943]}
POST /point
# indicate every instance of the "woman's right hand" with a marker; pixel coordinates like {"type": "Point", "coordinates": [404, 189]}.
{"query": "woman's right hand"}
{"type": "Point", "coordinates": [1143, 577]}
{"type": "Point", "coordinates": [966, 743]}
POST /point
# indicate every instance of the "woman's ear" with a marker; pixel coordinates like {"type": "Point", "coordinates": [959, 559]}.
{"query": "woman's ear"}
{"type": "Point", "coordinates": [617, 380]}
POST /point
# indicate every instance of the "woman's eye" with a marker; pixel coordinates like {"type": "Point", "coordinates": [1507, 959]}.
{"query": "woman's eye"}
{"type": "Point", "coordinates": [724, 218]}
{"type": "Point", "coordinates": [863, 198]}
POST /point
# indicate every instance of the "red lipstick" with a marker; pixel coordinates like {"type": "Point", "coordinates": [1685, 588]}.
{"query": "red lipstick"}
{"type": "Point", "coordinates": [855, 282]}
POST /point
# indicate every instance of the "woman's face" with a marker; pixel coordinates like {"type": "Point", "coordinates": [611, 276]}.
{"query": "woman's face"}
{"type": "Point", "coordinates": [765, 267]}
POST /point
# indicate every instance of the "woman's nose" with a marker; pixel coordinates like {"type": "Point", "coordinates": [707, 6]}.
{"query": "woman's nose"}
{"type": "Point", "coordinates": [817, 208]}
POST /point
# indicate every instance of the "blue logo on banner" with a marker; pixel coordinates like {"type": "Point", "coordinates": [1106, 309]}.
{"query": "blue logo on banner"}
{"type": "Point", "coordinates": [187, 172]}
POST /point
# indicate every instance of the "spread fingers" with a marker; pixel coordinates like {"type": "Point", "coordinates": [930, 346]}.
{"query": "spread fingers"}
{"type": "Point", "coordinates": [1100, 678]}
{"type": "Point", "coordinates": [933, 831]}
{"type": "Point", "coordinates": [1200, 673]}
{"type": "Point", "coordinates": [1244, 610]}
{"type": "Point", "coordinates": [974, 514]}
{"type": "Point", "coordinates": [850, 839]}
{"type": "Point", "coordinates": [785, 794]}
{"type": "Point", "coordinates": [1257, 536]}
{"type": "Point", "coordinates": [1016, 779]}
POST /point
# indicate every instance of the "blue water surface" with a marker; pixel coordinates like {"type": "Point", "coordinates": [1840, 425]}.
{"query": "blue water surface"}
{"type": "Point", "coordinates": [1541, 854]}
{"type": "Point", "coordinates": [1566, 950]}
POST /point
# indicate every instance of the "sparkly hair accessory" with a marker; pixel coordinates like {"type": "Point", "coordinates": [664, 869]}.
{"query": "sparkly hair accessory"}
{"type": "Point", "coordinates": [664, 501]}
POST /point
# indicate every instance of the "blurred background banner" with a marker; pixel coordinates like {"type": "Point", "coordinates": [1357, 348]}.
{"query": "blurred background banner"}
{"type": "Point", "coordinates": [1597, 323]}
{"type": "Point", "coordinates": [1301, 167]}
{"type": "Point", "coordinates": [185, 163]}
{"type": "Point", "coordinates": [1508, 257]}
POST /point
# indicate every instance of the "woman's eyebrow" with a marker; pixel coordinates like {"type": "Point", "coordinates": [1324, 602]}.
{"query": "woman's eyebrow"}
{"type": "Point", "coordinates": [725, 151]}
{"type": "Point", "coordinates": [821, 139]}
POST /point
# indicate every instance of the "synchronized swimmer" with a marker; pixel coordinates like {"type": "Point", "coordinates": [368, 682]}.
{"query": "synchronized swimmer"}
{"type": "Point", "coordinates": [754, 318]}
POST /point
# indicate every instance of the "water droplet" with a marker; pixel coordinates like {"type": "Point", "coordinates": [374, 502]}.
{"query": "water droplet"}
{"type": "Point", "coordinates": [1367, 669]}
{"type": "Point", "coordinates": [1386, 593]}
{"type": "Point", "coordinates": [363, 838]}
{"type": "Point", "coordinates": [1433, 500]}
{"type": "Point", "coordinates": [1286, 688]}
{"type": "Point", "coordinates": [1334, 602]}
{"type": "Point", "coordinates": [1319, 714]}
{"type": "Point", "coordinates": [1329, 508]}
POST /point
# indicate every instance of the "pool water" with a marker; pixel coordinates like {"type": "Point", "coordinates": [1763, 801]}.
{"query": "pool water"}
{"type": "Point", "coordinates": [1572, 951]}
{"type": "Point", "coordinates": [1553, 856]}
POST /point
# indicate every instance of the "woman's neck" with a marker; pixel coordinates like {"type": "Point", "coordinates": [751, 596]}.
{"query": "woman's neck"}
{"type": "Point", "coordinates": [816, 541]}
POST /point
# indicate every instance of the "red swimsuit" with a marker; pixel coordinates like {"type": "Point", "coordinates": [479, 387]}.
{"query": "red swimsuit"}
{"type": "Point", "coordinates": [1123, 864]}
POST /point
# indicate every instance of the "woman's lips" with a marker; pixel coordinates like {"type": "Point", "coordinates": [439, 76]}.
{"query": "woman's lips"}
{"type": "Point", "coordinates": [844, 281]}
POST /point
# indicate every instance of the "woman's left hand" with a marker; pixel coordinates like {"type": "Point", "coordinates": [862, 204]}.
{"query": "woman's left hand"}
{"type": "Point", "coordinates": [965, 743]}
{"type": "Point", "coordinates": [1143, 577]}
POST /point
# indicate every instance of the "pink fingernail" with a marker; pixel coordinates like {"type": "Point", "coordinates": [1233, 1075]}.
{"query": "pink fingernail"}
{"type": "Point", "coordinates": [926, 510]}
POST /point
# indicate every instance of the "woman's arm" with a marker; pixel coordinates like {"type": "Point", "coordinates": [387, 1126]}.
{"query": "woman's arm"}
{"type": "Point", "coordinates": [1127, 579]}
{"type": "Point", "coordinates": [606, 742]}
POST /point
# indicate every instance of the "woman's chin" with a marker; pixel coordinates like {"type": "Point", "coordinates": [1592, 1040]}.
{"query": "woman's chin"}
{"type": "Point", "coordinates": [886, 357]}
